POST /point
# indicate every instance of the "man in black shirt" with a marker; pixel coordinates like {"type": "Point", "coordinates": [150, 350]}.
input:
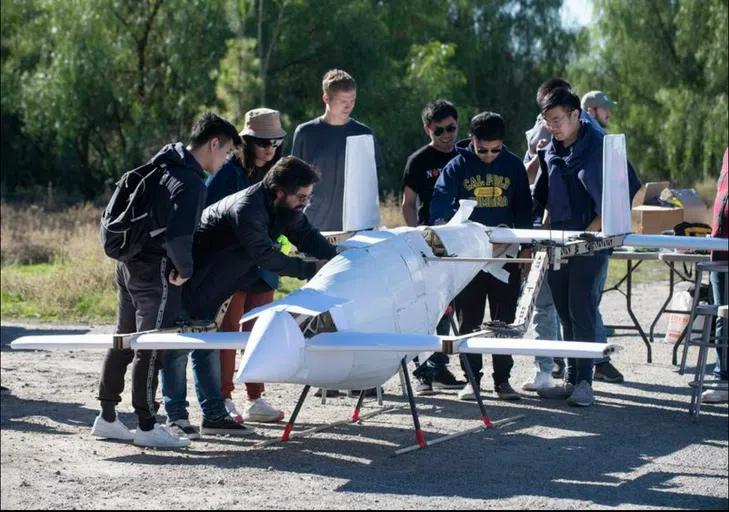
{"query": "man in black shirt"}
{"type": "Point", "coordinates": [440, 122]}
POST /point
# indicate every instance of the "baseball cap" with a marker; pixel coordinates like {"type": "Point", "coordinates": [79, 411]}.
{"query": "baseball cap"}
{"type": "Point", "coordinates": [597, 99]}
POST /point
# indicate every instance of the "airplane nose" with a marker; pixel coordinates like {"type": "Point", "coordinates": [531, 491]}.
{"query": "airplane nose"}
{"type": "Point", "coordinates": [274, 350]}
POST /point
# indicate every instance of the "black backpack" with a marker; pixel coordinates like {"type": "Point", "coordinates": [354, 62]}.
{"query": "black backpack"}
{"type": "Point", "coordinates": [126, 224]}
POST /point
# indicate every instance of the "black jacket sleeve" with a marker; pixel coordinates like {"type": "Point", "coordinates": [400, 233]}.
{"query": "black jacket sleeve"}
{"type": "Point", "coordinates": [251, 227]}
{"type": "Point", "coordinates": [186, 205]}
{"type": "Point", "coordinates": [309, 240]}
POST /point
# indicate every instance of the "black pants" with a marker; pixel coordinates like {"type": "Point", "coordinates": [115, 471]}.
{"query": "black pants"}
{"type": "Point", "coordinates": [470, 306]}
{"type": "Point", "coordinates": [147, 301]}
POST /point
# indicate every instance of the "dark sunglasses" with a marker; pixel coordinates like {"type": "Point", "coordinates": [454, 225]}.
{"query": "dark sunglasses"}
{"type": "Point", "coordinates": [485, 151]}
{"type": "Point", "coordinates": [264, 143]}
{"type": "Point", "coordinates": [441, 130]}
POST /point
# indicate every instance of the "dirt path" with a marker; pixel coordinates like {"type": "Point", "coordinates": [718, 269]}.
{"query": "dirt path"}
{"type": "Point", "coordinates": [636, 447]}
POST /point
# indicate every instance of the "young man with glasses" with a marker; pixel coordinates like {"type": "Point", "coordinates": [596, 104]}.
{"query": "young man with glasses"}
{"type": "Point", "coordinates": [322, 142]}
{"type": "Point", "coordinates": [569, 187]}
{"type": "Point", "coordinates": [487, 172]}
{"type": "Point", "coordinates": [440, 122]}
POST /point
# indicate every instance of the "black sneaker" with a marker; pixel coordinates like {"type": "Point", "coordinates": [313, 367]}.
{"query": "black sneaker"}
{"type": "Point", "coordinates": [183, 428]}
{"type": "Point", "coordinates": [225, 426]}
{"type": "Point", "coordinates": [424, 387]}
{"type": "Point", "coordinates": [506, 392]}
{"type": "Point", "coordinates": [558, 372]}
{"type": "Point", "coordinates": [444, 379]}
{"type": "Point", "coordinates": [331, 393]}
{"type": "Point", "coordinates": [4, 390]}
{"type": "Point", "coordinates": [608, 373]}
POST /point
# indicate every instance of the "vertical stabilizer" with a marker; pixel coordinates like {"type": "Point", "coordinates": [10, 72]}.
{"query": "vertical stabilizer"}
{"type": "Point", "coordinates": [615, 190]}
{"type": "Point", "coordinates": [361, 197]}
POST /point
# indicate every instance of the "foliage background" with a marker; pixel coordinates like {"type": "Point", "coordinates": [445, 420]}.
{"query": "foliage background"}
{"type": "Point", "coordinates": [91, 88]}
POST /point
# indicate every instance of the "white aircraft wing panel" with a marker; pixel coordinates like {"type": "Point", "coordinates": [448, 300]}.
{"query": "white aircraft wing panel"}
{"type": "Point", "coordinates": [191, 341]}
{"type": "Point", "coordinates": [64, 342]}
{"type": "Point", "coordinates": [517, 347]}
{"type": "Point", "coordinates": [347, 341]}
{"type": "Point", "coordinates": [305, 301]}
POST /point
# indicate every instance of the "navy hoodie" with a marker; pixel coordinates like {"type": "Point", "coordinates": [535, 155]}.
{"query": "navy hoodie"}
{"type": "Point", "coordinates": [569, 182]}
{"type": "Point", "coordinates": [179, 203]}
{"type": "Point", "coordinates": [501, 189]}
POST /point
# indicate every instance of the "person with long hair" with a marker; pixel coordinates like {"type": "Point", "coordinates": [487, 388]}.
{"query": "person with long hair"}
{"type": "Point", "coordinates": [263, 139]}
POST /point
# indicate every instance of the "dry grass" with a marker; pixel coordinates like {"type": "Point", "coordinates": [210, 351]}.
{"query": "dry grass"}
{"type": "Point", "coordinates": [53, 266]}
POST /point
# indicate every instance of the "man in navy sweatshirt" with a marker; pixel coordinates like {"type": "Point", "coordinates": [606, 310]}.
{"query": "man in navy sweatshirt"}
{"type": "Point", "coordinates": [569, 187]}
{"type": "Point", "coordinates": [487, 172]}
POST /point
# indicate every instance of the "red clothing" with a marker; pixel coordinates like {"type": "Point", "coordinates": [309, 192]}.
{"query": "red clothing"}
{"type": "Point", "coordinates": [721, 210]}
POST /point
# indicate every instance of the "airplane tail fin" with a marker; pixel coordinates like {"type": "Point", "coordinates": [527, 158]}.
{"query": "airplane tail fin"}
{"type": "Point", "coordinates": [615, 187]}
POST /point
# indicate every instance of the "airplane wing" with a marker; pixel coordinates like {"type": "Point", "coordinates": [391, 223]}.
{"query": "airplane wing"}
{"type": "Point", "coordinates": [547, 348]}
{"type": "Point", "coordinates": [526, 236]}
{"type": "Point", "coordinates": [64, 342]}
{"type": "Point", "coordinates": [191, 341]}
{"type": "Point", "coordinates": [306, 301]}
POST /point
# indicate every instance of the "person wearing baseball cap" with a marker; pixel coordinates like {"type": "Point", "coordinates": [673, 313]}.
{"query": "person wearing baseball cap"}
{"type": "Point", "coordinates": [599, 106]}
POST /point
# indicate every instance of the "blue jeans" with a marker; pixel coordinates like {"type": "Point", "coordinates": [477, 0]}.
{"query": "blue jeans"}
{"type": "Point", "coordinates": [206, 375]}
{"type": "Point", "coordinates": [574, 288]}
{"type": "Point", "coordinates": [718, 286]}
{"type": "Point", "coordinates": [545, 324]}
{"type": "Point", "coordinates": [601, 331]}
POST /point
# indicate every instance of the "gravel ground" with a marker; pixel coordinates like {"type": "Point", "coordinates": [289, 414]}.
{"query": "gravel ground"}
{"type": "Point", "coordinates": [635, 448]}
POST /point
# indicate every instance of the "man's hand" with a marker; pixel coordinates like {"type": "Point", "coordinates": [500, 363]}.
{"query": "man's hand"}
{"type": "Point", "coordinates": [175, 278]}
{"type": "Point", "coordinates": [525, 267]}
{"type": "Point", "coordinates": [313, 266]}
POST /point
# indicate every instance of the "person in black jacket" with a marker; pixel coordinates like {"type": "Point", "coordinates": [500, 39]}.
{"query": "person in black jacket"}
{"type": "Point", "coordinates": [146, 299]}
{"type": "Point", "coordinates": [237, 236]}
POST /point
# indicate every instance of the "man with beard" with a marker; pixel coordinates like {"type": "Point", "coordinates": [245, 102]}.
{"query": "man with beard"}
{"type": "Point", "coordinates": [238, 234]}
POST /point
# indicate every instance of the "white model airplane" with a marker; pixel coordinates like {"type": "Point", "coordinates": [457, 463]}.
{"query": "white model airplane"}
{"type": "Point", "coordinates": [374, 307]}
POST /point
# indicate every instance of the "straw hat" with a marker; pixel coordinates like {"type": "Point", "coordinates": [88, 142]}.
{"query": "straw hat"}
{"type": "Point", "coordinates": [263, 123]}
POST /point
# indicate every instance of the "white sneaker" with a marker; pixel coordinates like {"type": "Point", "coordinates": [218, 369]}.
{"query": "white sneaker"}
{"type": "Point", "coordinates": [263, 412]}
{"type": "Point", "coordinates": [714, 396]}
{"type": "Point", "coordinates": [232, 411]}
{"type": "Point", "coordinates": [539, 380]}
{"type": "Point", "coordinates": [467, 393]}
{"type": "Point", "coordinates": [114, 430]}
{"type": "Point", "coordinates": [160, 436]}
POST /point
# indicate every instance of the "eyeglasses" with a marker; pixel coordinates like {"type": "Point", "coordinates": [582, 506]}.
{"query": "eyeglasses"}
{"type": "Point", "coordinates": [265, 143]}
{"type": "Point", "coordinates": [303, 198]}
{"type": "Point", "coordinates": [441, 130]}
{"type": "Point", "coordinates": [556, 123]}
{"type": "Point", "coordinates": [485, 151]}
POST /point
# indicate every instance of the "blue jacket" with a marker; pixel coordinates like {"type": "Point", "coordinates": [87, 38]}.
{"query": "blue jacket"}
{"type": "Point", "coordinates": [232, 178]}
{"type": "Point", "coordinates": [501, 189]}
{"type": "Point", "coordinates": [570, 179]}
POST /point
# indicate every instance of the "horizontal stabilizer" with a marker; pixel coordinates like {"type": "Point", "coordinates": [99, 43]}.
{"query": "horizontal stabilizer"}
{"type": "Point", "coordinates": [305, 301]}
{"type": "Point", "coordinates": [64, 342]}
{"type": "Point", "coordinates": [547, 348]}
{"type": "Point", "coordinates": [346, 341]}
{"type": "Point", "coordinates": [191, 341]}
{"type": "Point", "coordinates": [695, 243]}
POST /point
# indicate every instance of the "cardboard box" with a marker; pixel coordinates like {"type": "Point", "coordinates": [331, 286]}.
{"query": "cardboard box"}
{"type": "Point", "coordinates": [650, 215]}
{"type": "Point", "coordinates": [654, 220]}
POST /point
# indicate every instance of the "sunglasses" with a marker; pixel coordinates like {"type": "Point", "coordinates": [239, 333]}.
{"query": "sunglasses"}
{"type": "Point", "coordinates": [485, 151]}
{"type": "Point", "coordinates": [441, 130]}
{"type": "Point", "coordinates": [265, 143]}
